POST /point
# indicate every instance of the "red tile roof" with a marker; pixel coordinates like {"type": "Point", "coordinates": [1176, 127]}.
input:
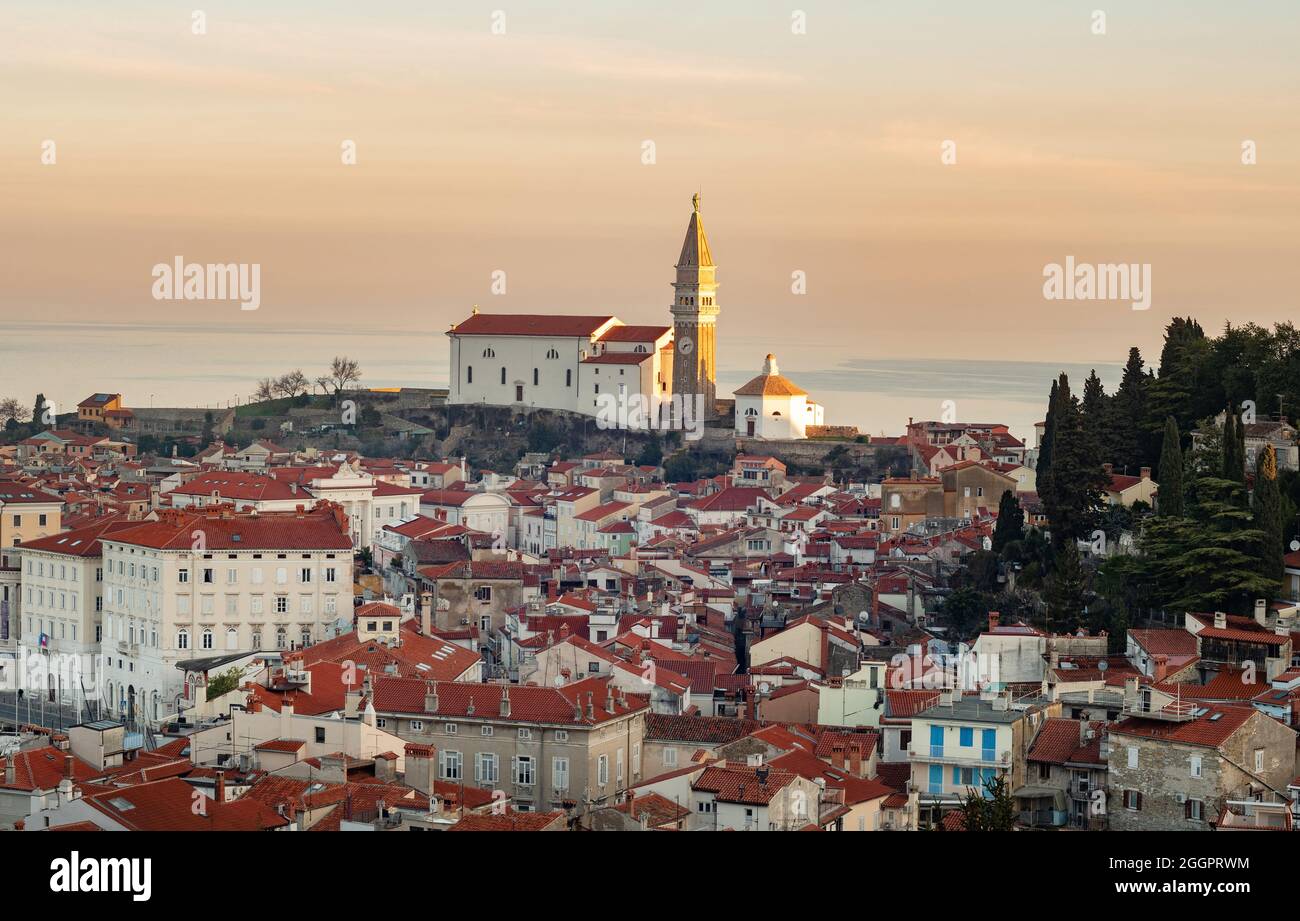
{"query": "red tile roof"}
{"type": "Point", "coordinates": [1211, 729]}
{"type": "Point", "coordinates": [315, 530]}
{"type": "Point", "coordinates": [738, 783]}
{"type": "Point", "coordinates": [1058, 742]}
{"type": "Point", "coordinates": [520, 324]}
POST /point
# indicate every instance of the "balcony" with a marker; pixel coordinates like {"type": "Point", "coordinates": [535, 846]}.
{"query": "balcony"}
{"type": "Point", "coordinates": [940, 754]}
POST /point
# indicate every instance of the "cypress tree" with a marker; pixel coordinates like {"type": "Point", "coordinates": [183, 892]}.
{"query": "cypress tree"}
{"type": "Point", "coordinates": [1233, 466]}
{"type": "Point", "coordinates": [1044, 467]}
{"type": "Point", "coordinates": [1170, 475]}
{"type": "Point", "coordinates": [1073, 492]}
{"type": "Point", "coordinates": [1011, 522]}
{"type": "Point", "coordinates": [1268, 513]}
{"type": "Point", "coordinates": [1128, 412]}
{"type": "Point", "coordinates": [1094, 410]}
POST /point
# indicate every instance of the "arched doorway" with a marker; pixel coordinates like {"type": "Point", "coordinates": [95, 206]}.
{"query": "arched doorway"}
{"type": "Point", "coordinates": [130, 705]}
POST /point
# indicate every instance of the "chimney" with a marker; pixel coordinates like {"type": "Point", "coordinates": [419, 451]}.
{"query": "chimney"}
{"type": "Point", "coordinates": [855, 760]}
{"type": "Point", "coordinates": [837, 755]}
{"type": "Point", "coordinates": [1130, 693]}
{"type": "Point", "coordinates": [1220, 620]}
{"type": "Point", "coordinates": [386, 767]}
{"type": "Point", "coordinates": [994, 617]}
{"type": "Point", "coordinates": [1261, 612]}
{"type": "Point", "coordinates": [1145, 473]}
{"type": "Point", "coordinates": [1161, 667]}
{"type": "Point", "coordinates": [67, 766]}
{"type": "Point", "coordinates": [591, 706]}
{"type": "Point", "coordinates": [426, 613]}
{"type": "Point", "coordinates": [431, 697]}
{"type": "Point", "coordinates": [286, 718]}
{"type": "Point", "coordinates": [10, 770]}
{"type": "Point", "coordinates": [419, 767]}
{"type": "Point", "coordinates": [352, 703]}
{"type": "Point", "coordinates": [220, 794]}
{"type": "Point", "coordinates": [1108, 467]}
{"type": "Point", "coordinates": [609, 697]}
{"type": "Point", "coordinates": [505, 701]}
{"type": "Point", "coordinates": [1083, 732]}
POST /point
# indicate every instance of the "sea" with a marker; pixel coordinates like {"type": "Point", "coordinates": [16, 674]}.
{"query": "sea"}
{"type": "Point", "coordinates": [218, 365]}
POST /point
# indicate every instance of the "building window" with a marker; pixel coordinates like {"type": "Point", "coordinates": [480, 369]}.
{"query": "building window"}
{"type": "Point", "coordinates": [485, 730]}
{"type": "Point", "coordinates": [207, 638]}
{"type": "Point", "coordinates": [560, 774]}
{"type": "Point", "coordinates": [568, 377]}
{"type": "Point", "coordinates": [552, 354]}
{"type": "Point", "coordinates": [536, 376]}
{"type": "Point", "coordinates": [485, 770]}
{"type": "Point", "coordinates": [503, 375]}
{"type": "Point", "coordinates": [602, 770]}
{"type": "Point", "coordinates": [483, 593]}
{"type": "Point", "coordinates": [469, 374]}
{"type": "Point", "coordinates": [489, 352]}
{"type": "Point", "coordinates": [182, 639]}
{"type": "Point", "coordinates": [1132, 800]}
{"type": "Point", "coordinates": [451, 765]}
{"type": "Point", "coordinates": [1194, 809]}
{"type": "Point", "coordinates": [1196, 765]}
{"type": "Point", "coordinates": [524, 774]}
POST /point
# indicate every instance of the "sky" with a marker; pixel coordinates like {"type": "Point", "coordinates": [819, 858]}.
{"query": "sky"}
{"type": "Point", "coordinates": [816, 151]}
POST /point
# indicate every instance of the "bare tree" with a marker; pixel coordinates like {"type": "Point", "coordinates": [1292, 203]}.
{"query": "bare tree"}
{"type": "Point", "coordinates": [343, 371]}
{"type": "Point", "coordinates": [291, 384]}
{"type": "Point", "coordinates": [11, 408]}
{"type": "Point", "coordinates": [266, 389]}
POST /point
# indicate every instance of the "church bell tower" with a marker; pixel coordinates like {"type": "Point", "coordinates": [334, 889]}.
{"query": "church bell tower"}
{"type": "Point", "coordinates": [695, 317]}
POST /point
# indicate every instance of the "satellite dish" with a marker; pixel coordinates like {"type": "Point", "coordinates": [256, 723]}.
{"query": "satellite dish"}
{"type": "Point", "coordinates": [1103, 665]}
{"type": "Point", "coordinates": [559, 681]}
{"type": "Point", "coordinates": [1295, 545]}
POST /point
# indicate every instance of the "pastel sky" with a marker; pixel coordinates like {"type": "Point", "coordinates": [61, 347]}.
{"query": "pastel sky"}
{"type": "Point", "coordinates": [522, 152]}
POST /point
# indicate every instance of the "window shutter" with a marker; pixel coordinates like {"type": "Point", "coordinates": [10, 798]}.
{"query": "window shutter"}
{"type": "Point", "coordinates": [1187, 809]}
{"type": "Point", "coordinates": [1139, 796]}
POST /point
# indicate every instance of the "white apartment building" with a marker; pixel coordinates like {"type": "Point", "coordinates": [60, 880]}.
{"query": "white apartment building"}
{"type": "Point", "coordinates": [62, 577]}
{"type": "Point", "coordinates": [191, 585]}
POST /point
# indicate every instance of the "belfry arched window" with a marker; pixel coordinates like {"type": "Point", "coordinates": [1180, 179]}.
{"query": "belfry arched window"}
{"type": "Point", "coordinates": [489, 352]}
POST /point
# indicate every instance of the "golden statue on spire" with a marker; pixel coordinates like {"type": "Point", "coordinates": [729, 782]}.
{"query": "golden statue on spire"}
{"type": "Point", "coordinates": [695, 202]}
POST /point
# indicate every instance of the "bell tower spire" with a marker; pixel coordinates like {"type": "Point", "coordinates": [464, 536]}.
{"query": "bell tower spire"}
{"type": "Point", "coordinates": [695, 314]}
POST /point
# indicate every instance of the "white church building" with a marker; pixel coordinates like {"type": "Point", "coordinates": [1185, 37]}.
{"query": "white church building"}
{"type": "Point", "coordinates": [650, 375]}
{"type": "Point", "coordinates": [773, 406]}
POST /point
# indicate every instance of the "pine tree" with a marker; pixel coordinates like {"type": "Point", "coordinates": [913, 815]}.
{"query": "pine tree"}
{"type": "Point", "coordinates": [1170, 475]}
{"type": "Point", "coordinates": [1065, 590]}
{"type": "Point", "coordinates": [38, 414]}
{"type": "Point", "coordinates": [1268, 513]}
{"type": "Point", "coordinates": [1011, 522]}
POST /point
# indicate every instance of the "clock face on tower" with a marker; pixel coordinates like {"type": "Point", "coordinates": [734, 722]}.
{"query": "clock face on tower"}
{"type": "Point", "coordinates": [687, 345]}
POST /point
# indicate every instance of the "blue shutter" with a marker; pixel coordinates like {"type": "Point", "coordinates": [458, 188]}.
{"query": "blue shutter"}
{"type": "Point", "coordinates": [967, 737]}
